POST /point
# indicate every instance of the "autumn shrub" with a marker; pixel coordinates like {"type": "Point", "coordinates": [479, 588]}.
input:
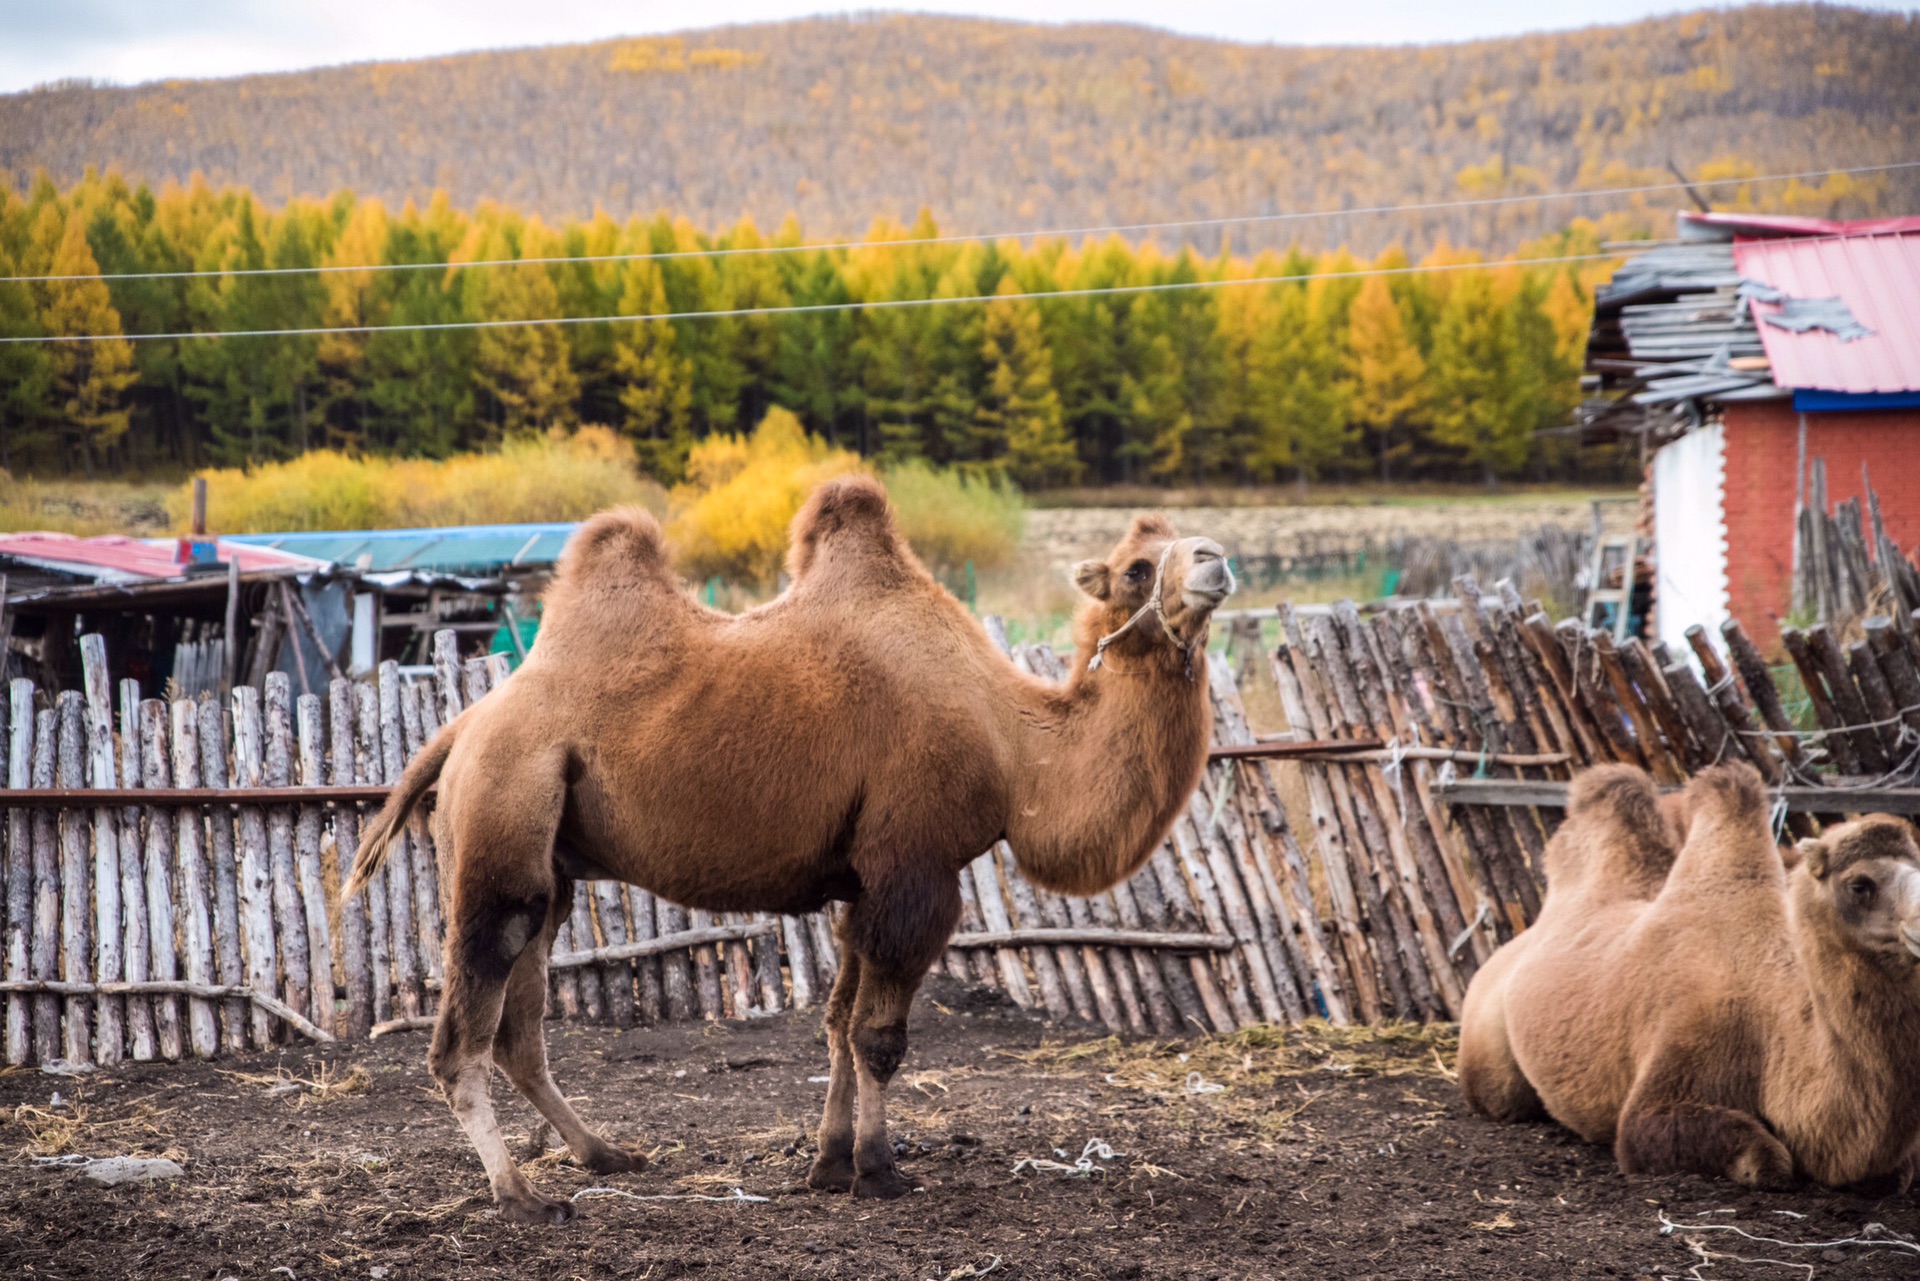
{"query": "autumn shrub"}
{"type": "Point", "coordinates": [730, 516]}
{"type": "Point", "coordinates": [952, 518]}
{"type": "Point", "coordinates": [554, 476]}
{"type": "Point", "coordinates": [82, 507]}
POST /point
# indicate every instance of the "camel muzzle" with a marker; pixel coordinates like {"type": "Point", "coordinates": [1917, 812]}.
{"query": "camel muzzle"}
{"type": "Point", "coordinates": [1208, 579]}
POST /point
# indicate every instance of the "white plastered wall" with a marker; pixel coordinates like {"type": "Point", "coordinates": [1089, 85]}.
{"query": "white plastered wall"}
{"type": "Point", "coordinates": [1690, 535]}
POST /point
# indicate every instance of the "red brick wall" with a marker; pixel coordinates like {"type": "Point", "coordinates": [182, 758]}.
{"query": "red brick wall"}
{"type": "Point", "coordinates": [1762, 449]}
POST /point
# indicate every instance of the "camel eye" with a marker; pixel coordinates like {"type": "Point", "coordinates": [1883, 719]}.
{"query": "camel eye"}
{"type": "Point", "coordinates": [1139, 572]}
{"type": "Point", "coordinates": [1862, 888]}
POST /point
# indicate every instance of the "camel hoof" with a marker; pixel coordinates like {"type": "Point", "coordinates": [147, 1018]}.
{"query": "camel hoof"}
{"type": "Point", "coordinates": [614, 1160]}
{"type": "Point", "coordinates": [831, 1174]}
{"type": "Point", "coordinates": [534, 1209]}
{"type": "Point", "coordinates": [884, 1184]}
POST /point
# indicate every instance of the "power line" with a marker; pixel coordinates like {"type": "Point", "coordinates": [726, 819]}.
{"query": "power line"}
{"type": "Point", "coordinates": [976, 237]}
{"type": "Point", "coordinates": [799, 309]}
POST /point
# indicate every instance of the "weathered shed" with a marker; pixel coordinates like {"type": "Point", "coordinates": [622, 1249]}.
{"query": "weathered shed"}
{"type": "Point", "coordinates": [1741, 354]}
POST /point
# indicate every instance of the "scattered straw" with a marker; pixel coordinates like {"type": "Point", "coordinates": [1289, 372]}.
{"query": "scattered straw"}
{"type": "Point", "coordinates": [323, 1083]}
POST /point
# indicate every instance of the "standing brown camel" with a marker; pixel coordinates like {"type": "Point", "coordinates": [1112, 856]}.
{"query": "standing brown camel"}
{"type": "Point", "coordinates": [1705, 1008]}
{"type": "Point", "coordinates": [858, 739]}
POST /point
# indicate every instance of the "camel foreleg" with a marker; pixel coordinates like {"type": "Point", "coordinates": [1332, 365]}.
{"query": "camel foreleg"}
{"type": "Point", "coordinates": [1698, 1138]}
{"type": "Point", "coordinates": [833, 1166]}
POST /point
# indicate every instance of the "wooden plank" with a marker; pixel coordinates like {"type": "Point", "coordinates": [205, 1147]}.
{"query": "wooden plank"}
{"type": "Point", "coordinates": [1852, 709]}
{"type": "Point", "coordinates": [370, 767]}
{"type": "Point", "coordinates": [644, 917]}
{"type": "Point", "coordinates": [351, 951]}
{"type": "Point", "coordinates": [76, 903]}
{"type": "Point", "coordinates": [402, 937]}
{"type": "Point", "coordinates": [109, 942]}
{"type": "Point", "coordinates": [289, 914]}
{"type": "Point", "coordinates": [418, 721]}
{"type": "Point", "coordinates": [43, 952]}
{"type": "Point", "coordinates": [676, 968]}
{"type": "Point", "coordinates": [196, 887]}
{"type": "Point", "coordinates": [135, 941]}
{"type": "Point", "coordinates": [616, 976]}
{"type": "Point", "coordinates": [678, 941]}
{"type": "Point", "coordinates": [224, 870]}
{"type": "Point", "coordinates": [993, 915]}
{"type": "Point", "coordinates": [446, 670]}
{"type": "Point", "coordinates": [309, 731]}
{"type": "Point", "coordinates": [706, 970]}
{"type": "Point", "coordinates": [1330, 845]}
{"type": "Point", "coordinates": [255, 867]}
{"type": "Point", "coordinates": [1507, 792]}
{"type": "Point", "coordinates": [163, 963]}
{"type": "Point", "coordinates": [176, 987]}
{"type": "Point", "coordinates": [799, 948]}
{"type": "Point", "coordinates": [19, 864]}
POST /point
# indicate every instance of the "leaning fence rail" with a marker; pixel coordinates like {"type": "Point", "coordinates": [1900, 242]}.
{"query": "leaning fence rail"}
{"type": "Point", "coordinates": [170, 872]}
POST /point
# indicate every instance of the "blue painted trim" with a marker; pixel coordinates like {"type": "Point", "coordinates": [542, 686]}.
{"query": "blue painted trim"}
{"type": "Point", "coordinates": [1810, 401]}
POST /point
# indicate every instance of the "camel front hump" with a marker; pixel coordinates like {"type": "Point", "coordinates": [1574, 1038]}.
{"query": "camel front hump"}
{"type": "Point", "coordinates": [1739, 1020]}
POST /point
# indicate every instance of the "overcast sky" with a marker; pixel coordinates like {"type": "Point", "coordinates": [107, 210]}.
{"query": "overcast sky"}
{"type": "Point", "coordinates": [127, 41]}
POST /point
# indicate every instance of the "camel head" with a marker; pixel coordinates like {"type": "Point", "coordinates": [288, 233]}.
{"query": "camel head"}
{"type": "Point", "coordinates": [1156, 590]}
{"type": "Point", "coordinates": [1864, 876]}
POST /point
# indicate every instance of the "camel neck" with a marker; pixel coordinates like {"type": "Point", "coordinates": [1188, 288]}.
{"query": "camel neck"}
{"type": "Point", "coordinates": [1867, 1012]}
{"type": "Point", "coordinates": [1105, 764]}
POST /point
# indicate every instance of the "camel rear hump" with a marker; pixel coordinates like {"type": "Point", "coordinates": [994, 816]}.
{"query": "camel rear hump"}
{"type": "Point", "coordinates": [849, 514]}
{"type": "Point", "coordinates": [1616, 841]}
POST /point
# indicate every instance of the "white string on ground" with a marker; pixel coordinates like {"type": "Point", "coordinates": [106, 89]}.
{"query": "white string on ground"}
{"type": "Point", "coordinates": [1096, 1149]}
{"type": "Point", "coordinates": [1197, 1084]}
{"type": "Point", "coordinates": [1876, 1235]}
{"type": "Point", "coordinates": [734, 1196]}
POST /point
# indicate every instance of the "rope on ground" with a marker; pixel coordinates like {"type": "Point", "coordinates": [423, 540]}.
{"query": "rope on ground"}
{"type": "Point", "coordinates": [1876, 1236]}
{"type": "Point", "coordinates": [734, 1196]}
{"type": "Point", "coordinates": [1083, 1167]}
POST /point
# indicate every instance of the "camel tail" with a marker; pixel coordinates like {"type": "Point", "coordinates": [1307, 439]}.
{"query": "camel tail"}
{"type": "Point", "coordinates": [377, 837]}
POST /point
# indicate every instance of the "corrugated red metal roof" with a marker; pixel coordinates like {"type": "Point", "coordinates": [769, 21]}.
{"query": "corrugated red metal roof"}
{"type": "Point", "coordinates": [1745, 224]}
{"type": "Point", "coordinates": [118, 558]}
{"type": "Point", "coordinates": [1876, 274]}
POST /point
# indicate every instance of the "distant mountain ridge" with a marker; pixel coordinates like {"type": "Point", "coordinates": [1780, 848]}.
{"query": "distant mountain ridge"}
{"type": "Point", "coordinates": [996, 125]}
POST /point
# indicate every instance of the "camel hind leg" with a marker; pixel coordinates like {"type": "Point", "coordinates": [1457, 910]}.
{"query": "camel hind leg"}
{"type": "Point", "coordinates": [1490, 1077]}
{"type": "Point", "coordinates": [520, 1050]}
{"type": "Point", "coordinates": [502, 891]}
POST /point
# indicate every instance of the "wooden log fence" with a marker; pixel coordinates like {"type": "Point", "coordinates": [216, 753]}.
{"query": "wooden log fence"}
{"type": "Point", "coordinates": [170, 870]}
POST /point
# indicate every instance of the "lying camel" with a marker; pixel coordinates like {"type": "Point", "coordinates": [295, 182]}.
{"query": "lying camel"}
{"type": "Point", "coordinates": [858, 739]}
{"type": "Point", "coordinates": [1706, 1008]}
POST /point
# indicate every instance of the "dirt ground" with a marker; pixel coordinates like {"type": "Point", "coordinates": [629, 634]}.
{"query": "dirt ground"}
{"type": "Point", "coordinates": [1313, 1153]}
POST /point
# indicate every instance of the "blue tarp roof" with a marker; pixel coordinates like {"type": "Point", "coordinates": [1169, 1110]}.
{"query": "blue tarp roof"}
{"type": "Point", "coordinates": [450, 549]}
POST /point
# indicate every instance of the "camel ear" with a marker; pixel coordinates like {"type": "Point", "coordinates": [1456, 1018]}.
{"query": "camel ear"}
{"type": "Point", "coordinates": [1094, 578]}
{"type": "Point", "coordinates": [1813, 853]}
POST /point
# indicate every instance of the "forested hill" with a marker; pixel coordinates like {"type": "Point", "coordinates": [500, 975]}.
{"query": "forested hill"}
{"type": "Point", "coordinates": [997, 125]}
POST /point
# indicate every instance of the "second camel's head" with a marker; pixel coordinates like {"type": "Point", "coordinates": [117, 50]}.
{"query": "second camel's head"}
{"type": "Point", "coordinates": [1864, 878]}
{"type": "Point", "coordinates": [1154, 591]}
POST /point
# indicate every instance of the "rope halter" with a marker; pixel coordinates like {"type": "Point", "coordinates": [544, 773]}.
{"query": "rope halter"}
{"type": "Point", "coordinates": [1154, 606]}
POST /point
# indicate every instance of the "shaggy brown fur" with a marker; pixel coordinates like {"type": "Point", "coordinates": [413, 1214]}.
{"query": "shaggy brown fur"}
{"type": "Point", "coordinates": [1727, 1016]}
{"type": "Point", "coordinates": [858, 739]}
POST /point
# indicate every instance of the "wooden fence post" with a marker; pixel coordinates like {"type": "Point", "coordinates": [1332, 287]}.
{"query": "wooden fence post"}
{"type": "Point", "coordinates": [215, 771]}
{"type": "Point", "coordinates": [164, 960]}
{"type": "Point", "coordinates": [196, 889]}
{"type": "Point", "coordinates": [19, 868]}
